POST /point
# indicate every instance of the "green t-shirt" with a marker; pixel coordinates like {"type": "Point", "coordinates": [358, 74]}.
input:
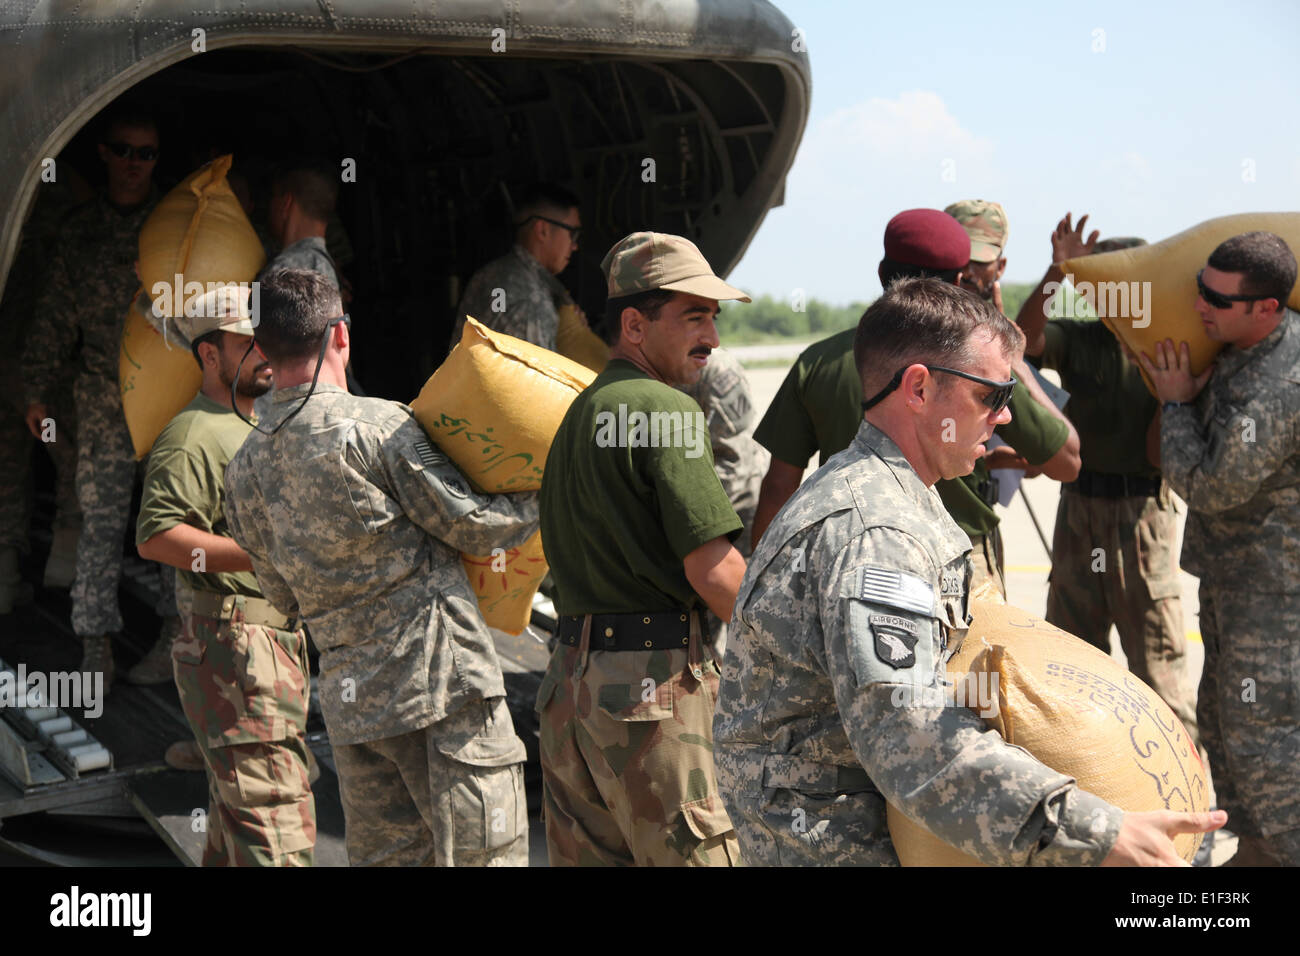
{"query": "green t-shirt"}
{"type": "Point", "coordinates": [629, 491]}
{"type": "Point", "coordinates": [819, 408]}
{"type": "Point", "coordinates": [185, 483]}
{"type": "Point", "coordinates": [1109, 403]}
{"type": "Point", "coordinates": [819, 405]}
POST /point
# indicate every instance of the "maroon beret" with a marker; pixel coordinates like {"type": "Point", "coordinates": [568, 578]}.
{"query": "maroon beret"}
{"type": "Point", "coordinates": [927, 238]}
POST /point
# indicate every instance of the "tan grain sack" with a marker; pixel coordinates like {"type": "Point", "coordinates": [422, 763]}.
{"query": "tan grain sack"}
{"type": "Point", "coordinates": [493, 408]}
{"type": "Point", "coordinates": [156, 373]}
{"type": "Point", "coordinates": [1075, 709]}
{"type": "Point", "coordinates": [199, 232]}
{"type": "Point", "coordinates": [573, 339]}
{"type": "Point", "coordinates": [1147, 294]}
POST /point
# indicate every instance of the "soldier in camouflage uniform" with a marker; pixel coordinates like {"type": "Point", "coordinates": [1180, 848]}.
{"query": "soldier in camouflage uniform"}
{"type": "Point", "coordinates": [1118, 502]}
{"type": "Point", "coordinates": [302, 204]}
{"type": "Point", "coordinates": [724, 396]}
{"type": "Point", "coordinates": [91, 282]}
{"type": "Point", "coordinates": [240, 666]}
{"type": "Point", "coordinates": [354, 521]}
{"type": "Point", "coordinates": [1232, 450]}
{"type": "Point", "coordinates": [21, 292]}
{"type": "Point", "coordinates": [637, 533]}
{"type": "Point", "coordinates": [855, 597]}
{"type": "Point", "coordinates": [519, 294]}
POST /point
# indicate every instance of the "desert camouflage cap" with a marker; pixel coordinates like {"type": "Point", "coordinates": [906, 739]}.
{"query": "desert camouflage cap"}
{"type": "Point", "coordinates": [225, 307]}
{"type": "Point", "coordinates": [656, 260]}
{"type": "Point", "coordinates": [986, 223]}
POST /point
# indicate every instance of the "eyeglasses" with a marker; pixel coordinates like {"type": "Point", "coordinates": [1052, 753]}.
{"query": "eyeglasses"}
{"type": "Point", "coordinates": [1220, 300]}
{"type": "Point", "coordinates": [996, 400]}
{"type": "Point", "coordinates": [126, 151]}
{"type": "Point", "coordinates": [573, 230]}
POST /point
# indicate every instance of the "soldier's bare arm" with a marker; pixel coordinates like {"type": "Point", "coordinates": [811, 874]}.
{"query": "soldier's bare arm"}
{"type": "Point", "coordinates": [182, 545]}
{"type": "Point", "coordinates": [1067, 243]}
{"type": "Point", "coordinates": [438, 497]}
{"type": "Point", "coordinates": [1066, 461]}
{"type": "Point", "coordinates": [1146, 839]}
{"type": "Point", "coordinates": [781, 481]}
{"type": "Point", "coordinates": [715, 570]}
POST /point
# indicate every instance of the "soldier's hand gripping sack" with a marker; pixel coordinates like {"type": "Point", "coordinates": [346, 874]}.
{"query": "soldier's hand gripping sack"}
{"type": "Point", "coordinates": [1078, 711]}
{"type": "Point", "coordinates": [493, 408]}
{"type": "Point", "coordinates": [1147, 294]}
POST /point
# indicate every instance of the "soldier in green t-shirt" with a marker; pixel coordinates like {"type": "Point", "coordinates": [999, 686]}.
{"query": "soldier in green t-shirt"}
{"type": "Point", "coordinates": [240, 666]}
{"type": "Point", "coordinates": [817, 407]}
{"type": "Point", "coordinates": [637, 530]}
{"type": "Point", "coordinates": [1114, 551]}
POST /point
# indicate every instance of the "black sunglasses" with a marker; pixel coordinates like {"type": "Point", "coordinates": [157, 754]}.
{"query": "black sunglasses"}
{"type": "Point", "coordinates": [996, 400]}
{"type": "Point", "coordinates": [573, 230]}
{"type": "Point", "coordinates": [1220, 300]}
{"type": "Point", "coordinates": [126, 151]}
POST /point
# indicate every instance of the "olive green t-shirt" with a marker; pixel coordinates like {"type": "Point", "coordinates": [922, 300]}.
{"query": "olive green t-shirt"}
{"type": "Point", "coordinates": [185, 483]}
{"type": "Point", "coordinates": [1034, 432]}
{"type": "Point", "coordinates": [819, 405]}
{"type": "Point", "coordinates": [819, 408]}
{"type": "Point", "coordinates": [629, 491]}
{"type": "Point", "coordinates": [1109, 403]}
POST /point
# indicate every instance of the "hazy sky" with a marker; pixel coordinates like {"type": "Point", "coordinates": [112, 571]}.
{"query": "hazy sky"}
{"type": "Point", "coordinates": [1152, 120]}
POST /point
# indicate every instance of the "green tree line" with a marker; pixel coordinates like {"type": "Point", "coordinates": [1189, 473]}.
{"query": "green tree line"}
{"type": "Point", "coordinates": [770, 319]}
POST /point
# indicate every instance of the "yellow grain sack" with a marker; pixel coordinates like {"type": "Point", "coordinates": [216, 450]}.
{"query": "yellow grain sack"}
{"type": "Point", "coordinates": [157, 375]}
{"type": "Point", "coordinates": [199, 232]}
{"type": "Point", "coordinates": [574, 340]}
{"type": "Point", "coordinates": [1075, 709]}
{"type": "Point", "coordinates": [493, 408]}
{"type": "Point", "coordinates": [1147, 294]}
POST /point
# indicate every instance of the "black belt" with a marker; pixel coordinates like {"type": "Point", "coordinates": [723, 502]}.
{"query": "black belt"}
{"type": "Point", "coordinates": [656, 631]}
{"type": "Point", "coordinates": [1096, 484]}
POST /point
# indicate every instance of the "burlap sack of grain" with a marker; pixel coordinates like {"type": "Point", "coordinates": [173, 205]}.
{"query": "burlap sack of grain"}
{"type": "Point", "coordinates": [1075, 709]}
{"type": "Point", "coordinates": [156, 373]}
{"type": "Point", "coordinates": [199, 232]}
{"type": "Point", "coordinates": [574, 340]}
{"type": "Point", "coordinates": [493, 408]}
{"type": "Point", "coordinates": [1113, 282]}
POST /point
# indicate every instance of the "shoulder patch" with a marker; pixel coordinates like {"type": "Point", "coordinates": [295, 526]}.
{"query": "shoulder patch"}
{"type": "Point", "coordinates": [896, 589]}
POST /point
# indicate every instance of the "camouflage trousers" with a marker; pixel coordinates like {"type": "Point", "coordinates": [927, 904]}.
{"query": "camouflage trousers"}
{"type": "Point", "coordinates": [16, 459]}
{"type": "Point", "coordinates": [244, 689]}
{"type": "Point", "coordinates": [1249, 710]}
{"type": "Point", "coordinates": [626, 746]}
{"type": "Point", "coordinates": [451, 794]}
{"type": "Point", "coordinates": [987, 579]}
{"type": "Point", "coordinates": [106, 472]}
{"type": "Point", "coordinates": [1136, 588]}
{"type": "Point", "coordinates": [793, 812]}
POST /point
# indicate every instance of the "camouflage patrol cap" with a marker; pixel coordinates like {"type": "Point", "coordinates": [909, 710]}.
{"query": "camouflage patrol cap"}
{"type": "Point", "coordinates": [656, 260]}
{"type": "Point", "coordinates": [986, 223]}
{"type": "Point", "coordinates": [223, 308]}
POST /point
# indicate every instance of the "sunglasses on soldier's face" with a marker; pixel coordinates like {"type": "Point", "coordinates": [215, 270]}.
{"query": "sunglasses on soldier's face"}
{"type": "Point", "coordinates": [996, 400]}
{"type": "Point", "coordinates": [1221, 300]}
{"type": "Point", "coordinates": [126, 151]}
{"type": "Point", "coordinates": [574, 231]}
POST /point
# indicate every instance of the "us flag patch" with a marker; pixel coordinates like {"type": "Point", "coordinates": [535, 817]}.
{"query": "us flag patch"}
{"type": "Point", "coordinates": [428, 457]}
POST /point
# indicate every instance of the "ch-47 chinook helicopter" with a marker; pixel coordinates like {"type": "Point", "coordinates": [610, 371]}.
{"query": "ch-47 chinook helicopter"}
{"type": "Point", "coordinates": [679, 116]}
